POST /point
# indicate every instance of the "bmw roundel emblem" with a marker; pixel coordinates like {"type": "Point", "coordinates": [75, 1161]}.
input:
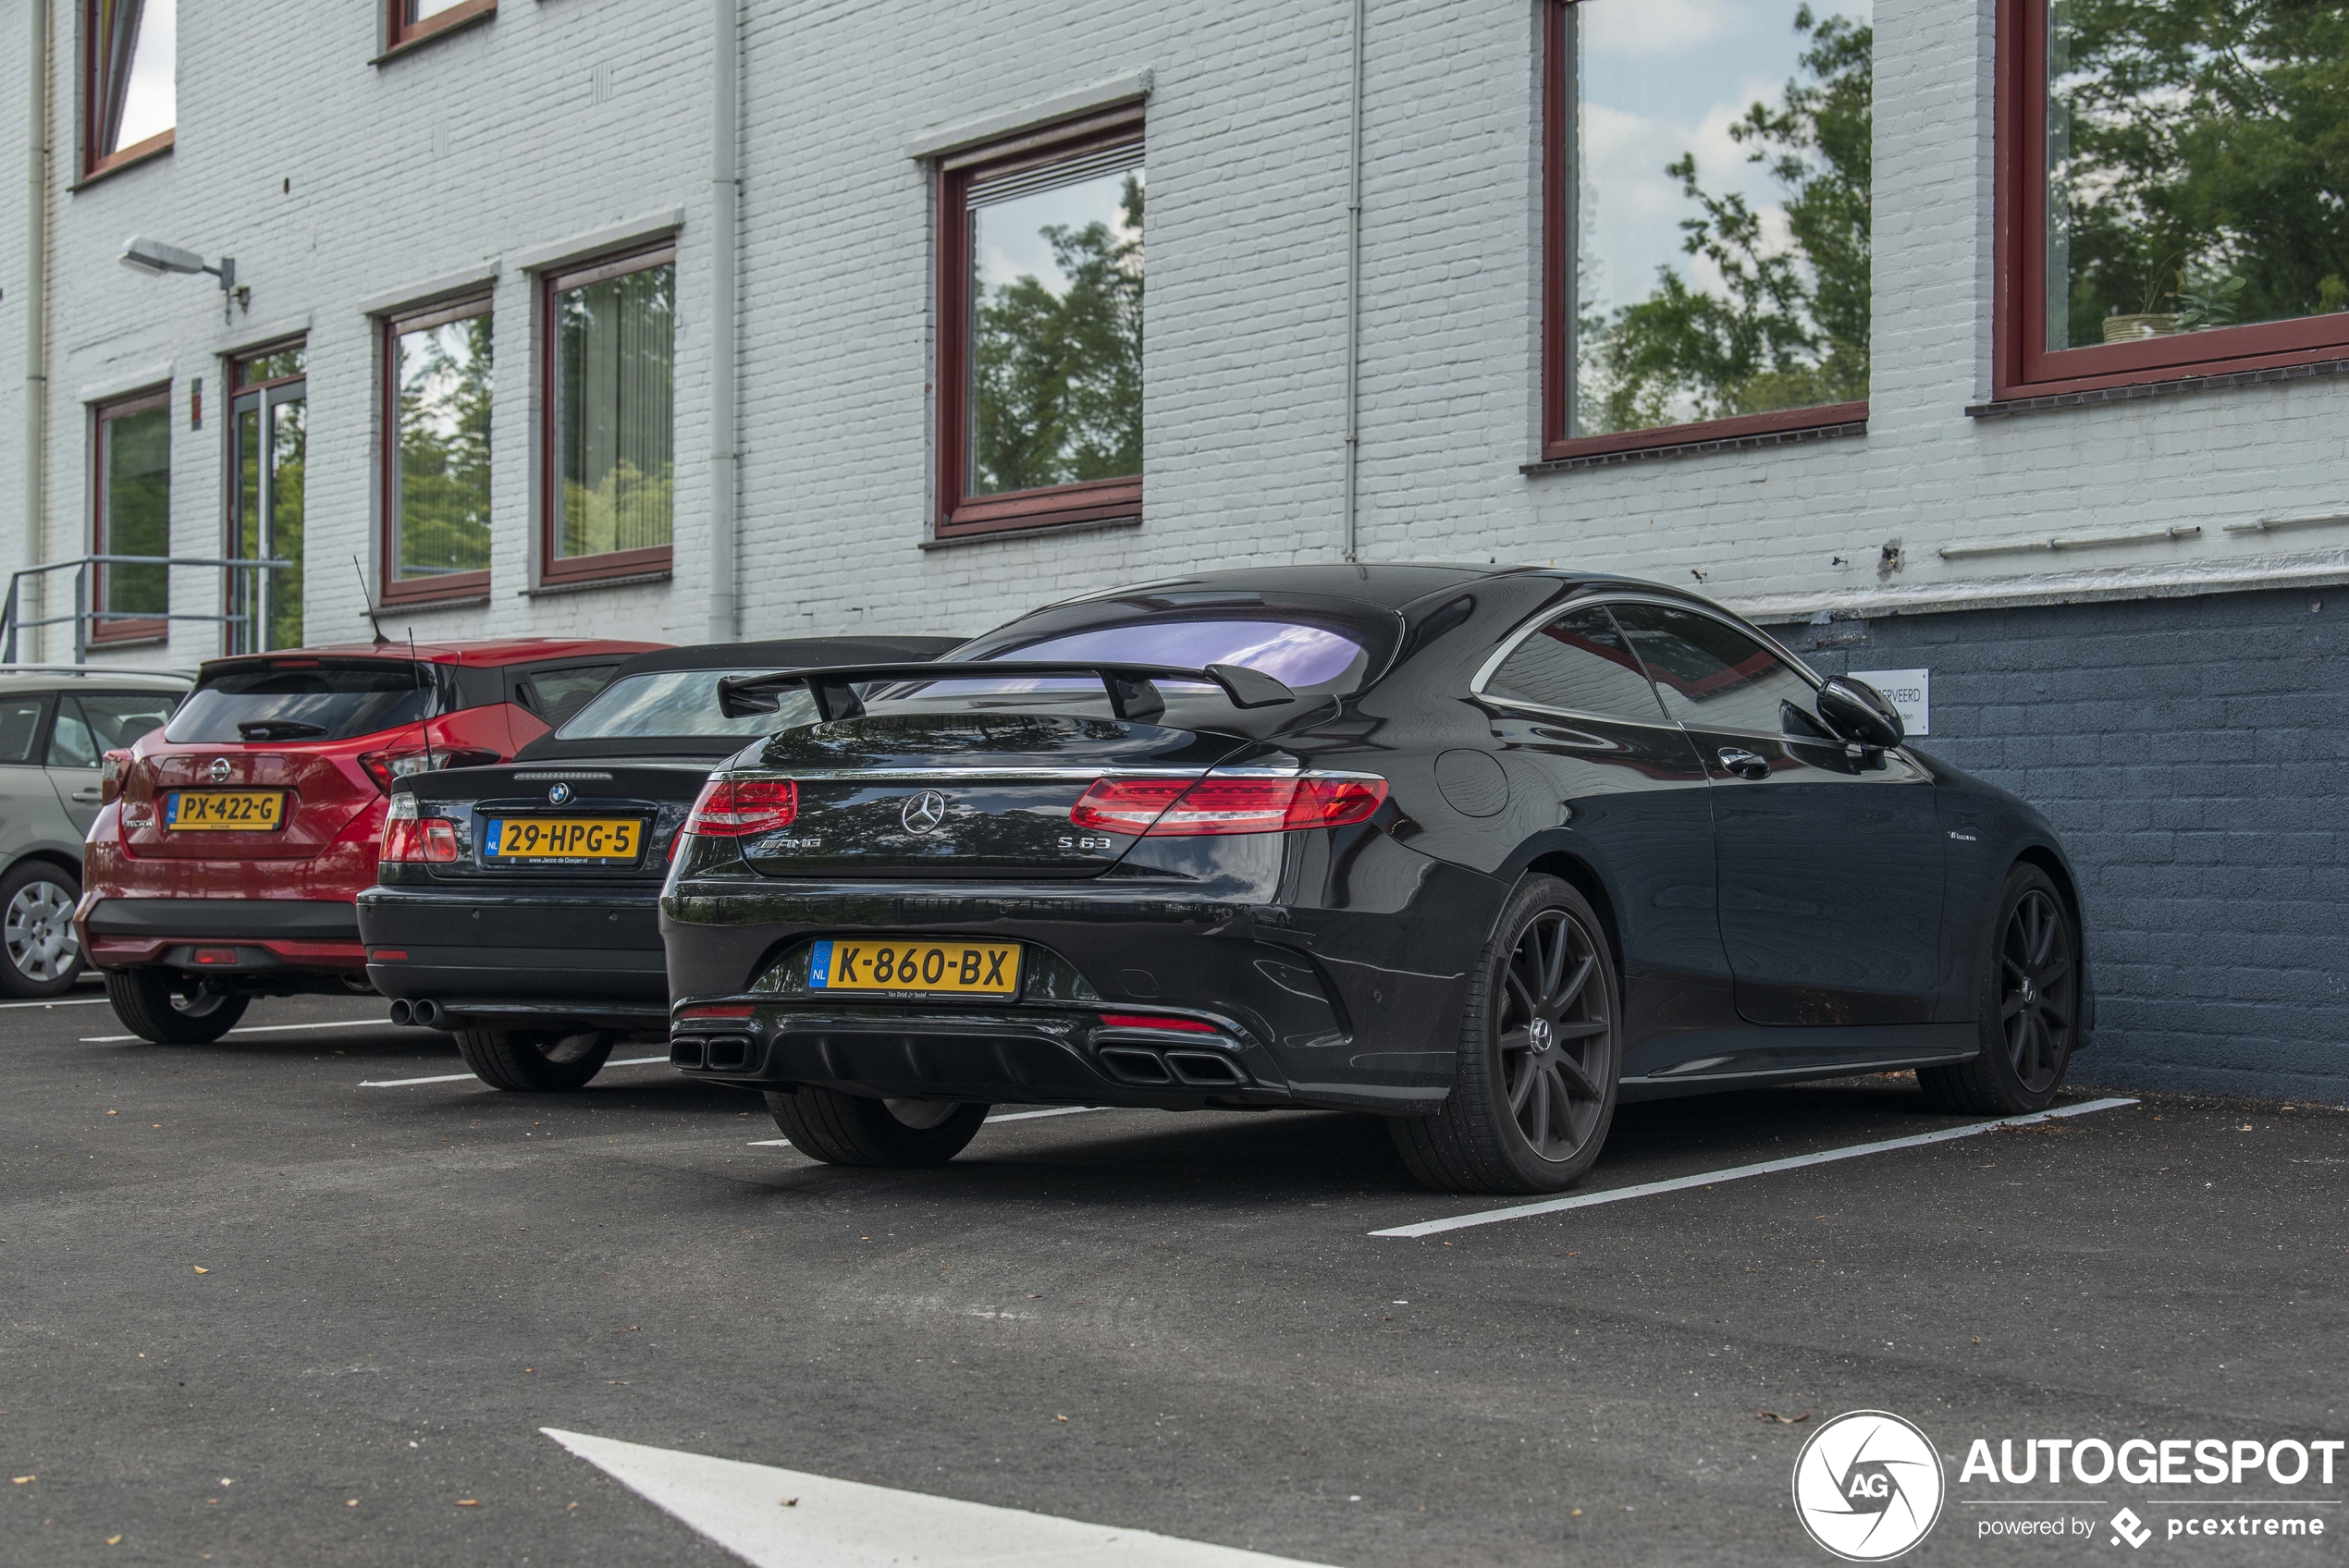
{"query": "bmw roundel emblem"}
{"type": "Point", "coordinates": [924, 812]}
{"type": "Point", "coordinates": [559, 795]}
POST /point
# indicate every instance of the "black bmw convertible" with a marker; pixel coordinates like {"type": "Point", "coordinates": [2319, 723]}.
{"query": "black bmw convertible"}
{"type": "Point", "coordinates": [1484, 851]}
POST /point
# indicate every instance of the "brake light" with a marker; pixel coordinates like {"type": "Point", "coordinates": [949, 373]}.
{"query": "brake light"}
{"type": "Point", "coordinates": [412, 841]}
{"type": "Point", "coordinates": [737, 808]}
{"type": "Point", "coordinates": [387, 768]}
{"type": "Point", "coordinates": [110, 776]}
{"type": "Point", "coordinates": [1165, 809]}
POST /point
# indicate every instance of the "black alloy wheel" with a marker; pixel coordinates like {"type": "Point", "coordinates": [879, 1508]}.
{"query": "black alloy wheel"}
{"type": "Point", "coordinates": [842, 1129]}
{"type": "Point", "coordinates": [2030, 1006]}
{"type": "Point", "coordinates": [166, 1007]}
{"type": "Point", "coordinates": [1539, 1057]}
{"type": "Point", "coordinates": [533, 1061]}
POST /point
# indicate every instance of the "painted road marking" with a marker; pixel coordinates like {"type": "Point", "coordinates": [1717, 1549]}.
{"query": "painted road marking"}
{"type": "Point", "coordinates": [1013, 1116]}
{"type": "Point", "coordinates": [1738, 1172]}
{"type": "Point", "coordinates": [469, 1078]}
{"type": "Point", "coordinates": [259, 1029]}
{"type": "Point", "coordinates": [836, 1524]}
{"type": "Point", "coordinates": [72, 1002]}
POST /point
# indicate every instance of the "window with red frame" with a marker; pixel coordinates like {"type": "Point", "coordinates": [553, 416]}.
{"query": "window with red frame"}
{"type": "Point", "coordinates": [413, 21]}
{"type": "Point", "coordinates": [1707, 252]}
{"type": "Point", "coordinates": [609, 434]}
{"type": "Point", "coordinates": [131, 515]}
{"type": "Point", "coordinates": [436, 452]}
{"type": "Point", "coordinates": [2172, 190]}
{"type": "Point", "coordinates": [1040, 329]}
{"type": "Point", "coordinates": [129, 90]}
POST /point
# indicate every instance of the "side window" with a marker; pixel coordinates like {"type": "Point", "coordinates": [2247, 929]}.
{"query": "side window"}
{"type": "Point", "coordinates": [555, 694]}
{"type": "Point", "coordinates": [116, 720]}
{"type": "Point", "coordinates": [69, 742]}
{"type": "Point", "coordinates": [20, 727]}
{"type": "Point", "coordinates": [1580, 662]}
{"type": "Point", "coordinates": [1710, 675]}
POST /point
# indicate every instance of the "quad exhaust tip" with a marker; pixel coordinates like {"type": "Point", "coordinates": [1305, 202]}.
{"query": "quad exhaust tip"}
{"type": "Point", "coordinates": [1195, 1069]}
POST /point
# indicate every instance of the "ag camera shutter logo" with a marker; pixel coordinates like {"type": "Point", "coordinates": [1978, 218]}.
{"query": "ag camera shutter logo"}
{"type": "Point", "coordinates": [1868, 1486]}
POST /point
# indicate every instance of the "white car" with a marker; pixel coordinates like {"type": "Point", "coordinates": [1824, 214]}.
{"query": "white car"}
{"type": "Point", "coordinates": [55, 728]}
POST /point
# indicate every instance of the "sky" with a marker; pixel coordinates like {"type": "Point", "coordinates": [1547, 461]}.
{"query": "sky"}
{"type": "Point", "coordinates": [1007, 242]}
{"type": "Point", "coordinates": [152, 105]}
{"type": "Point", "coordinates": [1659, 77]}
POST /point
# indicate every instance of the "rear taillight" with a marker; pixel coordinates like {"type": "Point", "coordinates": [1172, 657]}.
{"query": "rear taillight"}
{"type": "Point", "coordinates": [387, 768]}
{"type": "Point", "coordinates": [110, 776]}
{"type": "Point", "coordinates": [412, 841]}
{"type": "Point", "coordinates": [1161, 808]}
{"type": "Point", "coordinates": [736, 808]}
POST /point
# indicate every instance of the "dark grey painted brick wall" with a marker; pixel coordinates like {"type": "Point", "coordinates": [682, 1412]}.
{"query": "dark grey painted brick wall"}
{"type": "Point", "coordinates": [2195, 755]}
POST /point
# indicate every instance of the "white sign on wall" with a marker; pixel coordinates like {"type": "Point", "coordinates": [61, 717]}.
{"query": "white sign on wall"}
{"type": "Point", "coordinates": [1911, 690]}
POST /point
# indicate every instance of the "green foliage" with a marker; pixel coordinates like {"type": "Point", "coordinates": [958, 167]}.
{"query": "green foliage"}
{"type": "Point", "coordinates": [2199, 161]}
{"type": "Point", "coordinates": [626, 509]}
{"type": "Point", "coordinates": [1057, 380]}
{"type": "Point", "coordinates": [444, 450]}
{"type": "Point", "coordinates": [1791, 329]}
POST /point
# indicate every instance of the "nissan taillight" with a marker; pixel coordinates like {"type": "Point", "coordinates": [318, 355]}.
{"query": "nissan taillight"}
{"type": "Point", "coordinates": [410, 840]}
{"type": "Point", "coordinates": [1166, 808]}
{"type": "Point", "coordinates": [110, 776]}
{"type": "Point", "coordinates": [737, 808]}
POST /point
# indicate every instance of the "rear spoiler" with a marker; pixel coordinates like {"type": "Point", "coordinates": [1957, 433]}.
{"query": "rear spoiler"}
{"type": "Point", "coordinates": [1132, 694]}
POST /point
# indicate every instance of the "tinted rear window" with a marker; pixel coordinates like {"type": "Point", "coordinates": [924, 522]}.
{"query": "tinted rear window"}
{"type": "Point", "coordinates": [675, 702]}
{"type": "Point", "coordinates": [326, 703]}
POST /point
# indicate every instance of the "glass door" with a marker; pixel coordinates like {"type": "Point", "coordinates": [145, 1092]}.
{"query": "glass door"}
{"type": "Point", "coordinates": [268, 445]}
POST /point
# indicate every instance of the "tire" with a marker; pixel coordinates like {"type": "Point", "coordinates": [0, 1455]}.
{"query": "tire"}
{"type": "Point", "coordinates": [40, 953]}
{"type": "Point", "coordinates": [533, 1061]}
{"type": "Point", "coordinates": [851, 1129]}
{"type": "Point", "coordinates": [1542, 1033]}
{"type": "Point", "coordinates": [2029, 999]}
{"type": "Point", "coordinates": [169, 1009]}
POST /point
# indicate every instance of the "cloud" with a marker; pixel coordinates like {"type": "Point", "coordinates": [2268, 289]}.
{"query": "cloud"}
{"type": "Point", "coordinates": [1660, 27]}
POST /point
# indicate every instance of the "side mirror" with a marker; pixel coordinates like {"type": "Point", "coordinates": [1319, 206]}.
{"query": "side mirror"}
{"type": "Point", "coordinates": [1857, 712]}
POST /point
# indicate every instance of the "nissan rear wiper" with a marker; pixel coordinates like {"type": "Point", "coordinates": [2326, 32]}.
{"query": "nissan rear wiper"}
{"type": "Point", "coordinates": [278, 729]}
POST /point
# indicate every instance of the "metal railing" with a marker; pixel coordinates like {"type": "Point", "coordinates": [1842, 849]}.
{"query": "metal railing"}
{"type": "Point", "coordinates": [86, 617]}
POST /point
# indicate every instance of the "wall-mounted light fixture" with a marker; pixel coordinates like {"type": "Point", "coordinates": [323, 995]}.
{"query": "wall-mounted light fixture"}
{"type": "Point", "coordinates": [156, 259]}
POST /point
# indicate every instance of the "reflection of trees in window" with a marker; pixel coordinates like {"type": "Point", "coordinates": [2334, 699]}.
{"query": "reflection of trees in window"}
{"type": "Point", "coordinates": [1789, 327]}
{"type": "Point", "coordinates": [135, 512]}
{"type": "Point", "coordinates": [615, 429]}
{"type": "Point", "coordinates": [444, 395]}
{"type": "Point", "coordinates": [1057, 376]}
{"type": "Point", "coordinates": [2197, 164]}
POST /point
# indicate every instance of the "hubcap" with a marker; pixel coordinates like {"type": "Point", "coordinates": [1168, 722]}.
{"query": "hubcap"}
{"type": "Point", "coordinates": [2037, 983]}
{"type": "Point", "coordinates": [1557, 1042]}
{"type": "Point", "coordinates": [39, 932]}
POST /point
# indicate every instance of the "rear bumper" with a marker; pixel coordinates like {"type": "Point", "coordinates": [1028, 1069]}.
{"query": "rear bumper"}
{"type": "Point", "coordinates": [592, 957]}
{"type": "Point", "coordinates": [225, 935]}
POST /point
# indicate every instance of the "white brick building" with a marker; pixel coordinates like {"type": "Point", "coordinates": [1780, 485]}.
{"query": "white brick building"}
{"type": "Point", "coordinates": [349, 181]}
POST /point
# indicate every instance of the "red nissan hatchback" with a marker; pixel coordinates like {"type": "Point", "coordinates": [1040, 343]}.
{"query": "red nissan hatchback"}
{"type": "Point", "coordinates": [231, 842]}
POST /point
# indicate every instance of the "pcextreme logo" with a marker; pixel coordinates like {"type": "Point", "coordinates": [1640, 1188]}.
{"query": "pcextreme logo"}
{"type": "Point", "coordinates": [1868, 1486]}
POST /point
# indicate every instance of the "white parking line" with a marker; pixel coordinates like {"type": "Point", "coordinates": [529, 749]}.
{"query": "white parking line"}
{"type": "Point", "coordinates": [260, 1029]}
{"type": "Point", "coordinates": [777, 1518]}
{"type": "Point", "coordinates": [1737, 1172]}
{"type": "Point", "coordinates": [468, 1078]}
{"type": "Point", "coordinates": [1013, 1116]}
{"type": "Point", "coordinates": [72, 1002]}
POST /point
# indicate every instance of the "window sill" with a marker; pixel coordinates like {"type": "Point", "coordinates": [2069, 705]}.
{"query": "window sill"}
{"type": "Point", "coordinates": [1006, 535]}
{"type": "Point", "coordinates": [457, 20]}
{"type": "Point", "coordinates": [147, 151]}
{"type": "Point", "coordinates": [2024, 402]}
{"type": "Point", "coordinates": [131, 634]}
{"type": "Point", "coordinates": [426, 603]}
{"type": "Point", "coordinates": [1827, 423]}
{"type": "Point", "coordinates": [588, 584]}
{"type": "Point", "coordinates": [468, 587]}
{"type": "Point", "coordinates": [1098, 500]}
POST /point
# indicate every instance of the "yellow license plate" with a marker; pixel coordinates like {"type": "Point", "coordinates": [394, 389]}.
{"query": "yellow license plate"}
{"type": "Point", "coordinates": [224, 810]}
{"type": "Point", "coordinates": [898, 964]}
{"type": "Point", "coordinates": [563, 838]}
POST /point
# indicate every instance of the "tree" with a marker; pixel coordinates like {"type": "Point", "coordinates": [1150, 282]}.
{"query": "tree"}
{"type": "Point", "coordinates": [1791, 329]}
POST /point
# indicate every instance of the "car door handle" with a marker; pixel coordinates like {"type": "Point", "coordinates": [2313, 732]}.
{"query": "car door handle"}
{"type": "Point", "coordinates": [1744, 764]}
{"type": "Point", "coordinates": [89, 796]}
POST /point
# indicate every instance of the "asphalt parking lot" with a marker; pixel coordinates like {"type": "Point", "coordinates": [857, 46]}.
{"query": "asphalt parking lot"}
{"type": "Point", "coordinates": [258, 1313]}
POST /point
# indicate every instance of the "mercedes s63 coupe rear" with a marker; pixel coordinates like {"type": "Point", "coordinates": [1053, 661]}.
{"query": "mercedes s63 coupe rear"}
{"type": "Point", "coordinates": [1482, 851]}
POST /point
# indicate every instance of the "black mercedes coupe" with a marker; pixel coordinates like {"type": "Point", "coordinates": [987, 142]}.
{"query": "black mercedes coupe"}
{"type": "Point", "coordinates": [1484, 851]}
{"type": "Point", "coordinates": [516, 905]}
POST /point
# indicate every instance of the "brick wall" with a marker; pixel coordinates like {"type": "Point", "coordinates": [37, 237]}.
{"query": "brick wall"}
{"type": "Point", "coordinates": [2191, 751]}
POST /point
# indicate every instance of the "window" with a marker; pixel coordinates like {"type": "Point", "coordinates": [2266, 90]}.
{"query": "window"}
{"type": "Point", "coordinates": [330, 701]}
{"type": "Point", "coordinates": [437, 391]}
{"type": "Point", "coordinates": [413, 21]}
{"type": "Point", "coordinates": [88, 726]}
{"type": "Point", "coordinates": [676, 702]}
{"type": "Point", "coordinates": [1040, 329]}
{"type": "Point", "coordinates": [129, 91]}
{"type": "Point", "coordinates": [20, 727]}
{"type": "Point", "coordinates": [610, 462]}
{"type": "Point", "coordinates": [2170, 190]}
{"type": "Point", "coordinates": [1710, 675]}
{"type": "Point", "coordinates": [268, 467]}
{"type": "Point", "coordinates": [1579, 663]}
{"type": "Point", "coordinates": [1706, 250]}
{"type": "Point", "coordinates": [555, 694]}
{"type": "Point", "coordinates": [131, 515]}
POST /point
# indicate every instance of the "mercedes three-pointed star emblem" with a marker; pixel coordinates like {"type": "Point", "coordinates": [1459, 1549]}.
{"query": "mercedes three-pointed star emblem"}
{"type": "Point", "coordinates": [924, 812]}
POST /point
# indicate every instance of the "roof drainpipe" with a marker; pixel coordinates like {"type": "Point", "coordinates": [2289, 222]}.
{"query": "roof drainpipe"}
{"type": "Point", "coordinates": [36, 325]}
{"type": "Point", "coordinates": [725, 525]}
{"type": "Point", "coordinates": [1354, 282]}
